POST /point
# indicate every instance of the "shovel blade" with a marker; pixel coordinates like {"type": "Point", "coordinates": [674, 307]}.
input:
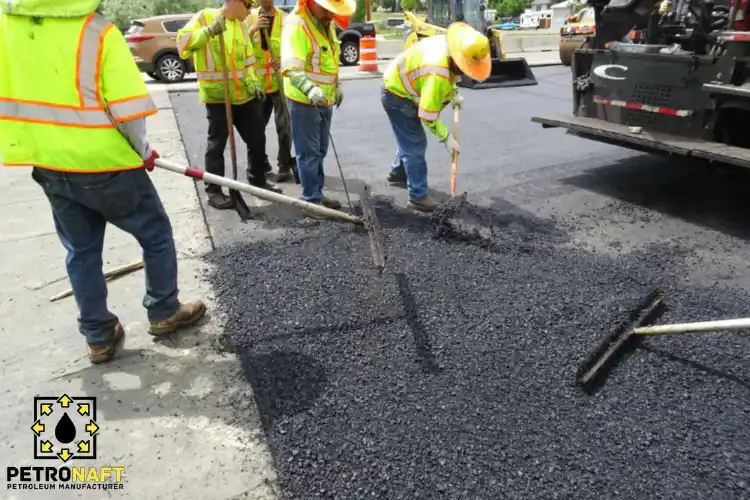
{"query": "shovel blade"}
{"type": "Point", "coordinates": [240, 206]}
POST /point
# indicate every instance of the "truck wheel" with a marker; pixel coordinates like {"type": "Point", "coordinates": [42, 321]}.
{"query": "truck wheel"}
{"type": "Point", "coordinates": [349, 53]}
{"type": "Point", "coordinates": [170, 68]}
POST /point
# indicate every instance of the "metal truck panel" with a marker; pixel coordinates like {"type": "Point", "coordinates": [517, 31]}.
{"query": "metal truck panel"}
{"type": "Point", "coordinates": [651, 142]}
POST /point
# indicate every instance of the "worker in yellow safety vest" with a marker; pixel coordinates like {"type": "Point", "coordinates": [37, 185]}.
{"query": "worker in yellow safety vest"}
{"type": "Point", "coordinates": [265, 32]}
{"type": "Point", "coordinates": [417, 86]}
{"type": "Point", "coordinates": [73, 107]}
{"type": "Point", "coordinates": [199, 39]}
{"type": "Point", "coordinates": [310, 52]}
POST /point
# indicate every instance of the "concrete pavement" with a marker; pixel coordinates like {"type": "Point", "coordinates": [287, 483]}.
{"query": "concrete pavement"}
{"type": "Point", "coordinates": [176, 415]}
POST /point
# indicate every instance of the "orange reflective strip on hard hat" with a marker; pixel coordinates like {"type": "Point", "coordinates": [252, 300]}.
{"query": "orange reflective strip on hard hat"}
{"type": "Point", "coordinates": [131, 108]}
{"type": "Point", "coordinates": [88, 57]}
{"type": "Point", "coordinates": [25, 111]}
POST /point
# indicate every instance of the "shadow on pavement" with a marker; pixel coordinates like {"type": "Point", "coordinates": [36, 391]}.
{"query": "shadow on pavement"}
{"type": "Point", "coordinates": [715, 197]}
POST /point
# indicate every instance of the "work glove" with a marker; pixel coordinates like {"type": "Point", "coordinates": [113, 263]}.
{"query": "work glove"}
{"type": "Point", "coordinates": [149, 163]}
{"type": "Point", "coordinates": [451, 143]}
{"type": "Point", "coordinates": [339, 96]}
{"type": "Point", "coordinates": [258, 92]}
{"type": "Point", "coordinates": [316, 96]}
{"type": "Point", "coordinates": [218, 26]}
{"type": "Point", "coordinates": [458, 100]}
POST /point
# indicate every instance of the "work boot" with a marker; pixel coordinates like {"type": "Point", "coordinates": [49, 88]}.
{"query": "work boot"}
{"type": "Point", "coordinates": [330, 203]}
{"type": "Point", "coordinates": [104, 353]}
{"type": "Point", "coordinates": [397, 179]}
{"type": "Point", "coordinates": [189, 314]}
{"type": "Point", "coordinates": [219, 201]}
{"type": "Point", "coordinates": [285, 173]}
{"type": "Point", "coordinates": [425, 204]}
{"type": "Point", "coordinates": [265, 185]}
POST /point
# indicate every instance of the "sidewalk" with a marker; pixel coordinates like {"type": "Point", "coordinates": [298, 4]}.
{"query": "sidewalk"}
{"type": "Point", "coordinates": [167, 412]}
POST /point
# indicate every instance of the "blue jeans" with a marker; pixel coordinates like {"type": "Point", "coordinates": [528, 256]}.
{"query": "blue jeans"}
{"type": "Point", "coordinates": [82, 205]}
{"type": "Point", "coordinates": [311, 129]}
{"type": "Point", "coordinates": [411, 143]}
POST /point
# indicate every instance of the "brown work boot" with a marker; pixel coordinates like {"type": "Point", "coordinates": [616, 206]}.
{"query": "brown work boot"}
{"type": "Point", "coordinates": [104, 353]}
{"type": "Point", "coordinates": [330, 203]}
{"type": "Point", "coordinates": [425, 204]}
{"type": "Point", "coordinates": [285, 173]}
{"type": "Point", "coordinates": [189, 314]}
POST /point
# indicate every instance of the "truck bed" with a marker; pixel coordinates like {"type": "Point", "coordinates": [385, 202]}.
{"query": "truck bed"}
{"type": "Point", "coordinates": [650, 142]}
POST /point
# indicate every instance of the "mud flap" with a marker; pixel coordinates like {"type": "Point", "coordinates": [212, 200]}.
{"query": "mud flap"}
{"type": "Point", "coordinates": [509, 72]}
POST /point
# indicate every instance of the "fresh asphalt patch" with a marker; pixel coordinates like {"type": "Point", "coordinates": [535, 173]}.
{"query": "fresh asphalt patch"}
{"type": "Point", "coordinates": [451, 376]}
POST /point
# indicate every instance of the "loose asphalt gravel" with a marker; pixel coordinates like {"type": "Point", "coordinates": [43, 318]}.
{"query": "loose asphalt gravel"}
{"type": "Point", "coordinates": [451, 376]}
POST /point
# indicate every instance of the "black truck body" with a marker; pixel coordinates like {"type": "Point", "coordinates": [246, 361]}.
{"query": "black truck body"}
{"type": "Point", "coordinates": [685, 91]}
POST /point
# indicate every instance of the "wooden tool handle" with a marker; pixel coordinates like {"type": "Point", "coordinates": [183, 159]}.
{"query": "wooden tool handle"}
{"type": "Point", "coordinates": [454, 160]}
{"type": "Point", "coordinates": [228, 102]}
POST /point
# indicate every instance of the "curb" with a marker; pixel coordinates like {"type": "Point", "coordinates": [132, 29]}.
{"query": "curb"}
{"type": "Point", "coordinates": [363, 76]}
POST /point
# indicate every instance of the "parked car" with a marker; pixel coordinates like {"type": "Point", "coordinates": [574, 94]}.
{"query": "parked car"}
{"type": "Point", "coordinates": [507, 26]}
{"type": "Point", "coordinates": [153, 43]}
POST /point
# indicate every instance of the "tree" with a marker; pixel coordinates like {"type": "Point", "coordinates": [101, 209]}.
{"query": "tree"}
{"type": "Point", "coordinates": [410, 5]}
{"type": "Point", "coordinates": [512, 7]}
{"type": "Point", "coordinates": [122, 12]}
{"type": "Point", "coordinates": [360, 13]}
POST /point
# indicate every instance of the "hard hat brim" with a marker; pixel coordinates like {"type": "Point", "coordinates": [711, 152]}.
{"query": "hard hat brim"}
{"type": "Point", "coordinates": [339, 7]}
{"type": "Point", "coordinates": [476, 70]}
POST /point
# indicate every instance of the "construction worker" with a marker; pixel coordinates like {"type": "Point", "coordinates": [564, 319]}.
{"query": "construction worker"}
{"type": "Point", "coordinates": [265, 32]}
{"type": "Point", "coordinates": [665, 10]}
{"type": "Point", "coordinates": [73, 106]}
{"type": "Point", "coordinates": [310, 65]}
{"type": "Point", "coordinates": [199, 39]}
{"type": "Point", "coordinates": [417, 85]}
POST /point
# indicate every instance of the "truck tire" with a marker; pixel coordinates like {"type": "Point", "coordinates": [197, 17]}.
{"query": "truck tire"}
{"type": "Point", "coordinates": [170, 68]}
{"type": "Point", "coordinates": [349, 52]}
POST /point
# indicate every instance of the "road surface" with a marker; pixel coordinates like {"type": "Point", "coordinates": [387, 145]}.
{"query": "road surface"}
{"type": "Point", "coordinates": [450, 376]}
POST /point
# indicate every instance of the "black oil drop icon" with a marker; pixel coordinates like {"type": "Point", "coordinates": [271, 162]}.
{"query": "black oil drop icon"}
{"type": "Point", "coordinates": [65, 430]}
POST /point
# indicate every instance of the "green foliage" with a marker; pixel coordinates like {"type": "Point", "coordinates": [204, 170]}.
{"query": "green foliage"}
{"type": "Point", "coordinates": [410, 5]}
{"type": "Point", "coordinates": [510, 7]}
{"type": "Point", "coordinates": [359, 14]}
{"type": "Point", "coordinates": [387, 4]}
{"type": "Point", "coordinates": [122, 12]}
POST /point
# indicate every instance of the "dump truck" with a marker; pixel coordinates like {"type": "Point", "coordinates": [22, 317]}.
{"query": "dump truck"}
{"type": "Point", "coordinates": [506, 71]}
{"type": "Point", "coordinates": [682, 88]}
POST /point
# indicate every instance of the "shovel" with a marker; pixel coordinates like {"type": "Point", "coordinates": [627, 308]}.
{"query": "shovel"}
{"type": "Point", "coordinates": [239, 204]}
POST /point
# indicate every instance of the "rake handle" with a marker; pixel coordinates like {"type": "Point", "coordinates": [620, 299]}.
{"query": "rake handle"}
{"type": "Point", "coordinates": [454, 158]}
{"type": "Point", "coordinates": [263, 194]}
{"type": "Point", "coordinates": [701, 326]}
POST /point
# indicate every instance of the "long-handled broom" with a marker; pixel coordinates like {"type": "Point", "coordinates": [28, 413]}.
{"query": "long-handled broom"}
{"type": "Point", "coordinates": [595, 369]}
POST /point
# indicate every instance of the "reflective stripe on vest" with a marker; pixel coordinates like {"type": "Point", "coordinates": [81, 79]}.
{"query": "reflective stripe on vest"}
{"type": "Point", "coordinates": [90, 113]}
{"type": "Point", "coordinates": [316, 75]}
{"type": "Point", "coordinates": [211, 73]}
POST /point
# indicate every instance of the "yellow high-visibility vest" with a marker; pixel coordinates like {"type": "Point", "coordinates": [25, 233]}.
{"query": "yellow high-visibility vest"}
{"type": "Point", "coordinates": [263, 70]}
{"type": "Point", "coordinates": [304, 47]}
{"type": "Point", "coordinates": [422, 75]}
{"type": "Point", "coordinates": [65, 84]}
{"type": "Point", "coordinates": [193, 40]}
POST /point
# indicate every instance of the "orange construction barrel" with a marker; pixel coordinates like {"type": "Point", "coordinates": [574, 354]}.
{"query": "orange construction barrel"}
{"type": "Point", "coordinates": [368, 57]}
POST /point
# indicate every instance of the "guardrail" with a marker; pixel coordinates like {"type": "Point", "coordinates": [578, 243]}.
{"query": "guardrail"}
{"type": "Point", "coordinates": [388, 49]}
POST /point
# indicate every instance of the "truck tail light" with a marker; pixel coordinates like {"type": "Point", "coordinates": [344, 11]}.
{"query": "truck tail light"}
{"type": "Point", "coordinates": [741, 20]}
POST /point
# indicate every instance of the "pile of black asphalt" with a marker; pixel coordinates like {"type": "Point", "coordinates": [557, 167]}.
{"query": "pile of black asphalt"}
{"type": "Point", "coordinates": [452, 375]}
